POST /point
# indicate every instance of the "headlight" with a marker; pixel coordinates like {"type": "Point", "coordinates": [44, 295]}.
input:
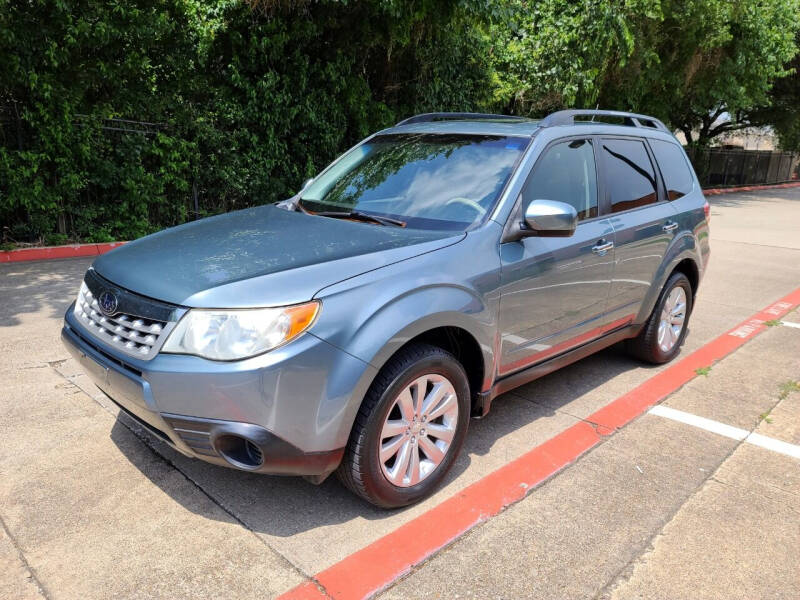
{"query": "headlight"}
{"type": "Point", "coordinates": [237, 334]}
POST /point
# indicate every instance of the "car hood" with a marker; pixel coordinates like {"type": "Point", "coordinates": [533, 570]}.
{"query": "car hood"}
{"type": "Point", "coordinates": [263, 256]}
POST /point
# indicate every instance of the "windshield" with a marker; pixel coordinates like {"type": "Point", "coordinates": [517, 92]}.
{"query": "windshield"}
{"type": "Point", "coordinates": [430, 181]}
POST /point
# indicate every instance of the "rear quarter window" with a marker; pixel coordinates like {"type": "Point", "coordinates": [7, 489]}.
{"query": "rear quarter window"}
{"type": "Point", "coordinates": [674, 168]}
{"type": "Point", "coordinates": [630, 176]}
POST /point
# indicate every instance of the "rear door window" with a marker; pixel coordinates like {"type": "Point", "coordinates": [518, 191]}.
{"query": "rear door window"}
{"type": "Point", "coordinates": [630, 176]}
{"type": "Point", "coordinates": [565, 172]}
{"type": "Point", "coordinates": [674, 168]}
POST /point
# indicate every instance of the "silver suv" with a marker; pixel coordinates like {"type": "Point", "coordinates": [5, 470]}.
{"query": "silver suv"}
{"type": "Point", "coordinates": [357, 326]}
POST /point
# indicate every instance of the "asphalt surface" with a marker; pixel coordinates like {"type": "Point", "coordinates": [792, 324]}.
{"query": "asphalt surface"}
{"type": "Point", "coordinates": [92, 507]}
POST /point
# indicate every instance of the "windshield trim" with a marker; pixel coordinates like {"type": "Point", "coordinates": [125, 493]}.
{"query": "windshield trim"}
{"type": "Point", "coordinates": [490, 210]}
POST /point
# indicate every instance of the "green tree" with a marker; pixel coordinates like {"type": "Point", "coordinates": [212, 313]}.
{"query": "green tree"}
{"type": "Point", "coordinates": [689, 62]}
{"type": "Point", "coordinates": [555, 54]}
{"type": "Point", "coordinates": [700, 61]}
{"type": "Point", "coordinates": [783, 112]}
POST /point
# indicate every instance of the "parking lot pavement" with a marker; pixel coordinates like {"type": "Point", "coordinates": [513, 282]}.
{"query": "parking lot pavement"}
{"type": "Point", "coordinates": [659, 498]}
{"type": "Point", "coordinates": [93, 507]}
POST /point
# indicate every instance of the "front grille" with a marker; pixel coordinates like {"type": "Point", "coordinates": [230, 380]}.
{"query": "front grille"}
{"type": "Point", "coordinates": [137, 326]}
{"type": "Point", "coordinates": [135, 335]}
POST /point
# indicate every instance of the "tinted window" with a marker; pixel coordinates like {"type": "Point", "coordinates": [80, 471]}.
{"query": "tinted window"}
{"type": "Point", "coordinates": [566, 173]}
{"type": "Point", "coordinates": [431, 181]}
{"type": "Point", "coordinates": [674, 168]}
{"type": "Point", "coordinates": [629, 173]}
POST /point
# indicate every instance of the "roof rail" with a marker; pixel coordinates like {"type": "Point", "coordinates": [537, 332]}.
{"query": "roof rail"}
{"type": "Point", "coordinates": [567, 117]}
{"type": "Point", "coordinates": [457, 116]}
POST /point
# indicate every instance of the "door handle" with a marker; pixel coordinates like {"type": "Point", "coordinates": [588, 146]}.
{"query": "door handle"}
{"type": "Point", "coordinates": [601, 247]}
{"type": "Point", "coordinates": [669, 226]}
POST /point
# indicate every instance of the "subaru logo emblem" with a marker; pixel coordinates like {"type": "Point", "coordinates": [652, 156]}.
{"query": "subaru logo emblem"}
{"type": "Point", "coordinates": [108, 303]}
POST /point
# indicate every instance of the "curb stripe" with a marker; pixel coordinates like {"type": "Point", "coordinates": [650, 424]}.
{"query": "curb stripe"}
{"type": "Point", "coordinates": [729, 431]}
{"type": "Point", "coordinates": [378, 565]}
{"type": "Point", "coordinates": [769, 443]}
{"type": "Point", "coordinates": [53, 252]}
{"type": "Point", "coordinates": [749, 188]}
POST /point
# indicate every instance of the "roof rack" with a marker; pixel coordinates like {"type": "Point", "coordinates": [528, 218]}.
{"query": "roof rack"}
{"type": "Point", "coordinates": [567, 117]}
{"type": "Point", "coordinates": [457, 116]}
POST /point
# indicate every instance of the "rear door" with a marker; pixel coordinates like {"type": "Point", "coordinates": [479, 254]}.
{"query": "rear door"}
{"type": "Point", "coordinates": [554, 290]}
{"type": "Point", "coordinates": [643, 219]}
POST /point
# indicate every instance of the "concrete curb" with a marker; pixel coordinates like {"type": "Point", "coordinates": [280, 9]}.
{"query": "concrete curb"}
{"type": "Point", "coordinates": [750, 188]}
{"type": "Point", "coordinates": [54, 252]}
{"type": "Point", "coordinates": [76, 250]}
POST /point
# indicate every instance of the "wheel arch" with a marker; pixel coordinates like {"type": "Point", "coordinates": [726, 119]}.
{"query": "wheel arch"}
{"type": "Point", "coordinates": [683, 257]}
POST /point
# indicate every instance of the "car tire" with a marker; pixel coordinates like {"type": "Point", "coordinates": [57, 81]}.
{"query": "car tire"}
{"type": "Point", "coordinates": [651, 343]}
{"type": "Point", "coordinates": [389, 483]}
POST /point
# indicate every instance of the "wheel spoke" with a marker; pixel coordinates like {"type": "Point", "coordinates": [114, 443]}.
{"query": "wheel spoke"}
{"type": "Point", "coordinates": [400, 467]}
{"type": "Point", "coordinates": [444, 406]}
{"type": "Point", "coordinates": [440, 432]}
{"type": "Point", "coordinates": [662, 332]}
{"type": "Point", "coordinates": [393, 428]}
{"type": "Point", "coordinates": [417, 390]}
{"type": "Point", "coordinates": [389, 449]}
{"type": "Point", "coordinates": [406, 404]}
{"type": "Point", "coordinates": [431, 450]}
{"type": "Point", "coordinates": [413, 467]}
{"type": "Point", "coordinates": [432, 399]}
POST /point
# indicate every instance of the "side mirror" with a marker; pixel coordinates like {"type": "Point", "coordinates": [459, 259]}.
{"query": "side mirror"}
{"type": "Point", "coordinates": [550, 218]}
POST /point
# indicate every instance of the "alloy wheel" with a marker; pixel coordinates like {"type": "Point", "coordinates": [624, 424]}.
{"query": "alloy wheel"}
{"type": "Point", "coordinates": [418, 430]}
{"type": "Point", "coordinates": [673, 318]}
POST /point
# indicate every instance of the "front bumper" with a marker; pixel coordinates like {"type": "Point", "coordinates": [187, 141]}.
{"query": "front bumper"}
{"type": "Point", "coordinates": [287, 412]}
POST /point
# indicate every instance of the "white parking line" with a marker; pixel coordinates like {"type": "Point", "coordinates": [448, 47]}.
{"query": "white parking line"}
{"type": "Point", "coordinates": [790, 324]}
{"type": "Point", "coordinates": [735, 433]}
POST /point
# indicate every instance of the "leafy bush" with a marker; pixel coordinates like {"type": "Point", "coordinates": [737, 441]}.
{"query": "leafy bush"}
{"type": "Point", "coordinates": [117, 115]}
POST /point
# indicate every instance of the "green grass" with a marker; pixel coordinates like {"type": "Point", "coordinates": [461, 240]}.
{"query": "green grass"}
{"type": "Point", "coordinates": [772, 323]}
{"type": "Point", "coordinates": [765, 417]}
{"type": "Point", "coordinates": [787, 388]}
{"type": "Point", "coordinates": [703, 371]}
{"type": "Point", "coordinates": [6, 246]}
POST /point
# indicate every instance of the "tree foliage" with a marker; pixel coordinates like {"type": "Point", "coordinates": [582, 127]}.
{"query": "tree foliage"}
{"type": "Point", "coordinates": [689, 62]}
{"type": "Point", "coordinates": [243, 102]}
{"type": "Point", "coordinates": [119, 118]}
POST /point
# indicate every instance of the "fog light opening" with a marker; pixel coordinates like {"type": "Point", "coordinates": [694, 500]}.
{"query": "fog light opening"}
{"type": "Point", "coordinates": [240, 452]}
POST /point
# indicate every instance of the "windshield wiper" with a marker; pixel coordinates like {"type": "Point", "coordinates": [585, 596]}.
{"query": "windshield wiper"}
{"type": "Point", "coordinates": [357, 215]}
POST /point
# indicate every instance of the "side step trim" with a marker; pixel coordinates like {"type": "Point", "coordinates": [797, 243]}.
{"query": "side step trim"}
{"type": "Point", "coordinates": [483, 400]}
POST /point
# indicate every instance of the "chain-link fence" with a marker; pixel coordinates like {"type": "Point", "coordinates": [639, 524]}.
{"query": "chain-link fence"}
{"type": "Point", "coordinates": [720, 167]}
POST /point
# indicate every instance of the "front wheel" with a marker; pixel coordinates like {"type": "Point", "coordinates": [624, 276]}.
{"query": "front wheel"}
{"type": "Point", "coordinates": [663, 333]}
{"type": "Point", "coordinates": [410, 428]}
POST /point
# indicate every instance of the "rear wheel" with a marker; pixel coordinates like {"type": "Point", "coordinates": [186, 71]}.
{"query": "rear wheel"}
{"type": "Point", "coordinates": [410, 428]}
{"type": "Point", "coordinates": [664, 332]}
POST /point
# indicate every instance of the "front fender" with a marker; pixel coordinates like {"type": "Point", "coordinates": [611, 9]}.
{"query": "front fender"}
{"type": "Point", "coordinates": [383, 325]}
{"type": "Point", "coordinates": [373, 315]}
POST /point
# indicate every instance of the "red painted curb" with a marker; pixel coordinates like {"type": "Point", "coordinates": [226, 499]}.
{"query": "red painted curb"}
{"type": "Point", "coordinates": [53, 252]}
{"type": "Point", "coordinates": [749, 188]}
{"type": "Point", "coordinates": [376, 566]}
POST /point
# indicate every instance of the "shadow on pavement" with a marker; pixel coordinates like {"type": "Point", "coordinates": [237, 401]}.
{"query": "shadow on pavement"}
{"type": "Point", "coordinates": [287, 506]}
{"type": "Point", "coordinates": [45, 287]}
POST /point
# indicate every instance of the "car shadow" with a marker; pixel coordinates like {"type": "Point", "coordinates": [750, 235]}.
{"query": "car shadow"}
{"type": "Point", "coordinates": [287, 506]}
{"type": "Point", "coordinates": [46, 287]}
